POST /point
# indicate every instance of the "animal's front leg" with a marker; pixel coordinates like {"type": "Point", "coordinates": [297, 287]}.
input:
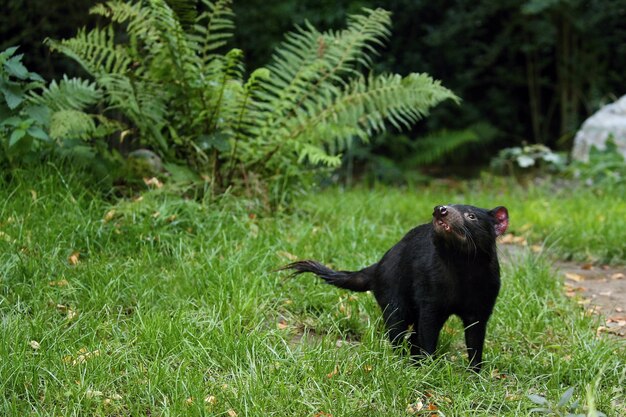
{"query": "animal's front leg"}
{"type": "Point", "coordinates": [475, 330]}
{"type": "Point", "coordinates": [430, 322]}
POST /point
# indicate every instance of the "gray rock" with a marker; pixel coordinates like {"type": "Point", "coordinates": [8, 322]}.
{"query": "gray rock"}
{"type": "Point", "coordinates": [608, 122]}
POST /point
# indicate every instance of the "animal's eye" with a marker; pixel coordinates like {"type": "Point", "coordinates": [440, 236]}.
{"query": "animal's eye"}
{"type": "Point", "coordinates": [470, 216]}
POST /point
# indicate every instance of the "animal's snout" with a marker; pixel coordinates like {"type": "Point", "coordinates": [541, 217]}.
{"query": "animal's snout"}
{"type": "Point", "coordinates": [440, 211]}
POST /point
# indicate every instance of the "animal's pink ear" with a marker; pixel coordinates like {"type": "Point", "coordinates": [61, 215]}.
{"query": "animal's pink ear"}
{"type": "Point", "coordinates": [501, 215]}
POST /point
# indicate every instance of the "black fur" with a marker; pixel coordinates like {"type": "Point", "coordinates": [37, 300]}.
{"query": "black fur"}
{"type": "Point", "coordinates": [449, 266]}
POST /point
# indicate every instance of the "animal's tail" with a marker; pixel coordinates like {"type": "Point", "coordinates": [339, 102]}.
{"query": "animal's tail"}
{"type": "Point", "coordinates": [355, 281]}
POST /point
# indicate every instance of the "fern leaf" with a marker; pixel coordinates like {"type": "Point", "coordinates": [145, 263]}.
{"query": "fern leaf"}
{"type": "Point", "coordinates": [361, 109]}
{"type": "Point", "coordinates": [177, 47]}
{"type": "Point", "coordinates": [140, 100]}
{"type": "Point", "coordinates": [71, 124]}
{"type": "Point", "coordinates": [437, 145]}
{"type": "Point", "coordinates": [95, 51]}
{"type": "Point", "coordinates": [118, 11]}
{"type": "Point", "coordinates": [309, 63]}
{"type": "Point", "coordinates": [213, 28]}
{"type": "Point", "coordinates": [185, 10]}
{"type": "Point", "coordinates": [67, 94]}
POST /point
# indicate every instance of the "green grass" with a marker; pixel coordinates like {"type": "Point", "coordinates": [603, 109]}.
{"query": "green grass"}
{"type": "Point", "coordinates": [173, 302]}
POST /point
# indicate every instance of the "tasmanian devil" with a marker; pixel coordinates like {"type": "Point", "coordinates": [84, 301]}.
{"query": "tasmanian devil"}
{"type": "Point", "coordinates": [448, 266]}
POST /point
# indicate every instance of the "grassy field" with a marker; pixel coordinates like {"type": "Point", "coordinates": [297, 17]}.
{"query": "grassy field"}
{"type": "Point", "coordinates": [162, 306]}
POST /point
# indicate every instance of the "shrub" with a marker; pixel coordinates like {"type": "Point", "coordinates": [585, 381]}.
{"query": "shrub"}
{"type": "Point", "coordinates": [189, 101]}
{"type": "Point", "coordinates": [21, 123]}
{"type": "Point", "coordinates": [528, 159]}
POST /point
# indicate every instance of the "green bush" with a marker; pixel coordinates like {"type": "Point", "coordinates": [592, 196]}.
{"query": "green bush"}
{"type": "Point", "coordinates": [21, 123]}
{"type": "Point", "coordinates": [189, 101]}
{"type": "Point", "coordinates": [606, 168]}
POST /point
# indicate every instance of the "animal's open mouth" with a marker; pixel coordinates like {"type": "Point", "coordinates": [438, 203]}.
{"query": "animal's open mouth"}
{"type": "Point", "coordinates": [443, 224]}
{"type": "Point", "coordinates": [452, 232]}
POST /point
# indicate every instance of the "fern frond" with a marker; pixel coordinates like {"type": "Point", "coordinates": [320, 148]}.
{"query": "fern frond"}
{"type": "Point", "coordinates": [95, 51]}
{"type": "Point", "coordinates": [360, 110]}
{"type": "Point", "coordinates": [213, 28]}
{"type": "Point", "coordinates": [317, 156]}
{"type": "Point", "coordinates": [75, 124]}
{"type": "Point", "coordinates": [180, 53]}
{"type": "Point", "coordinates": [138, 99]}
{"type": "Point", "coordinates": [224, 99]}
{"type": "Point", "coordinates": [67, 94]}
{"type": "Point", "coordinates": [71, 124]}
{"type": "Point", "coordinates": [435, 146]}
{"type": "Point", "coordinates": [185, 10]}
{"type": "Point", "coordinates": [117, 10]}
{"type": "Point", "coordinates": [310, 63]}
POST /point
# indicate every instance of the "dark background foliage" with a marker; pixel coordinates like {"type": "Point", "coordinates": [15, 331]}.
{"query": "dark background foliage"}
{"type": "Point", "coordinates": [528, 71]}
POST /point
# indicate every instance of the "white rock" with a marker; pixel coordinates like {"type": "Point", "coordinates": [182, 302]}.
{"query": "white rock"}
{"type": "Point", "coordinates": [609, 121]}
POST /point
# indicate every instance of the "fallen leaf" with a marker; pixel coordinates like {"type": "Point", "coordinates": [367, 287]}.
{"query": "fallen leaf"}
{"type": "Point", "coordinates": [432, 407]}
{"type": "Point", "coordinates": [287, 255]}
{"type": "Point", "coordinates": [231, 413]}
{"type": "Point", "coordinates": [536, 248]}
{"type": "Point", "coordinates": [171, 218]}
{"type": "Point", "coordinates": [587, 266]}
{"type": "Point", "coordinates": [415, 407]}
{"type": "Point", "coordinates": [34, 344]}
{"type": "Point", "coordinates": [109, 215]}
{"type": "Point", "coordinates": [210, 399]}
{"type": "Point", "coordinates": [322, 414]}
{"type": "Point", "coordinates": [5, 237]}
{"type": "Point", "coordinates": [618, 275]}
{"type": "Point", "coordinates": [33, 195]}
{"type": "Point", "coordinates": [156, 214]}
{"type": "Point", "coordinates": [73, 258]}
{"type": "Point", "coordinates": [282, 324]}
{"type": "Point", "coordinates": [367, 368]}
{"type": "Point", "coordinates": [60, 283]}
{"type": "Point", "coordinates": [496, 374]}
{"type": "Point", "coordinates": [189, 401]}
{"type": "Point", "coordinates": [574, 277]}
{"type": "Point", "coordinates": [511, 239]}
{"type": "Point", "coordinates": [619, 321]}
{"type": "Point", "coordinates": [619, 309]}
{"type": "Point", "coordinates": [116, 397]}
{"type": "Point", "coordinates": [84, 355]}
{"type": "Point", "coordinates": [610, 330]}
{"type": "Point", "coordinates": [71, 314]}
{"type": "Point", "coordinates": [333, 373]}
{"type": "Point", "coordinates": [93, 393]}
{"type": "Point", "coordinates": [591, 311]}
{"type": "Point", "coordinates": [154, 181]}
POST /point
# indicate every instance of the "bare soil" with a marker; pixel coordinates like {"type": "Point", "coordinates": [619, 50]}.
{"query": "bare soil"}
{"type": "Point", "coordinates": [600, 289]}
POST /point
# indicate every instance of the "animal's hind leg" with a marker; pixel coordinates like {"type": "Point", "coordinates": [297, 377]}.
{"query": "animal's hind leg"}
{"type": "Point", "coordinates": [396, 323]}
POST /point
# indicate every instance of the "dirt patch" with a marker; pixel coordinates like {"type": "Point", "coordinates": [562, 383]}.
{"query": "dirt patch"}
{"type": "Point", "coordinates": [601, 289]}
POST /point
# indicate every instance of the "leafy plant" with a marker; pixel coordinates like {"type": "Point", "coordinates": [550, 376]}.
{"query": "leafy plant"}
{"type": "Point", "coordinates": [188, 100]}
{"type": "Point", "coordinates": [605, 167]}
{"type": "Point", "coordinates": [397, 158]}
{"type": "Point", "coordinates": [529, 158]}
{"type": "Point", "coordinates": [20, 123]}
{"type": "Point", "coordinates": [563, 408]}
